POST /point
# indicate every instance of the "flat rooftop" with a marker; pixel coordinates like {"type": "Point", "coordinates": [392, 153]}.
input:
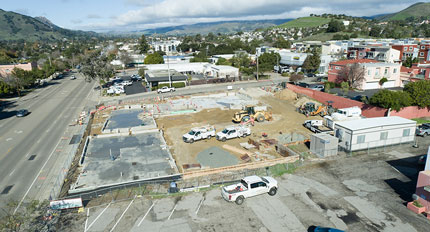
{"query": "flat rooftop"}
{"type": "Point", "coordinates": [115, 160]}
{"type": "Point", "coordinates": [367, 123]}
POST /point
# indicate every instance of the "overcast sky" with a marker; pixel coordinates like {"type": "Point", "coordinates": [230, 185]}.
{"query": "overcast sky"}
{"type": "Point", "coordinates": [125, 15]}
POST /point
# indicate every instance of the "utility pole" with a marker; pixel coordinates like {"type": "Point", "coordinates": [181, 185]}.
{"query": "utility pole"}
{"type": "Point", "coordinates": [257, 65]}
{"type": "Point", "coordinates": [168, 70]}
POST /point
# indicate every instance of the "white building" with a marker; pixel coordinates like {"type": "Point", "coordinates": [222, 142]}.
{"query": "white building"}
{"type": "Point", "coordinates": [292, 58]}
{"type": "Point", "coordinates": [374, 132]}
{"type": "Point", "coordinates": [204, 68]}
{"type": "Point", "coordinates": [165, 46]}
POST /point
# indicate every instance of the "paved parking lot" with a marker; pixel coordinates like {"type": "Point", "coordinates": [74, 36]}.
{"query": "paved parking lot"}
{"type": "Point", "coordinates": [349, 193]}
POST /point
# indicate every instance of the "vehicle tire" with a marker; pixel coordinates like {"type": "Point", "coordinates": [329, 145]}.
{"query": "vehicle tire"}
{"type": "Point", "coordinates": [272, 191]}
{"type": "Point", "coordinates": [260, 118]}
{"type": "Point", "coordinates": [244, 135]}
{"type": "Point", "coordinates": [425, 134]}
{"type": "Point", "coordinates": [171, 90]}
{"type": "Point", "coordinates": [240, 200]}
{"type": "Point", "coordinates": [209, 137]}
{"type": "Point", "coordinates": [223, 139]}
{"type": "Point", "coordinates": [191, 140]}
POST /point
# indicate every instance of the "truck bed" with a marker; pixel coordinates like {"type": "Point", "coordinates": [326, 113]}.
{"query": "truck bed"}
{"type": "Point", "coordinates": [234, 189]}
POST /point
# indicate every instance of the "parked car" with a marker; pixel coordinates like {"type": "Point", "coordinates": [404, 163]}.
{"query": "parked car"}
{"type": "Point", "coordinates": [317, 87]}
{"type": "Point", "coordinates": [248, 187]}
{"type": "Point", "coordinates": [310, 75]}
{"type": "Point", "coordinates": [128, 83]}
{"type": "Point", "coordinates": [72, 77]}
{"type": "Point", "coordinates": [422, 160]}
{"type": "Point", "coordinates": [360, 98]}
{"type": "Point", "coordinates": [324, 229]}
{"type": "Point", "coordinates": [423, 129]}
{"type": "Point", "coordinates": [22, 113]}
{"type": "Point", "coordinates": [304, 85]}
{"type": "Point", "coordinates": [166, 89]}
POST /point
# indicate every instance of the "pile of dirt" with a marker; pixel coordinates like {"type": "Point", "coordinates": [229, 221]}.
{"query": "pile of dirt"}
{"type": "Point", "coordinates": [286, 94]}
{"type": "Point", "coordinates": [303, 100]}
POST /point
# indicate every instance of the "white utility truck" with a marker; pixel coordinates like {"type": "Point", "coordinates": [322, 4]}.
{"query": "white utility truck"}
{"type": "Point", "coordinates": [165, 89]}
{"type": "Point", "coordinates": [316, 126]}
{"type": "Point", "coordinates": [234, 131]}
{"type": "Point", "coordinates": [248, 187]}
{"type": "Point", "coordinates": [199, 133]}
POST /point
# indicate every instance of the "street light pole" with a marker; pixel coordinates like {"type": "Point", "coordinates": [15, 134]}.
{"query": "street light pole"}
{"type": "Point", "coordinates": [168, 70]}
{"type": "Point", "coordinates": [257, 65]}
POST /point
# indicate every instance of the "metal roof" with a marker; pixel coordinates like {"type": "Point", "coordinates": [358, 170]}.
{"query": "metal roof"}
{"type": "Point", "coordinates": [368, 123]}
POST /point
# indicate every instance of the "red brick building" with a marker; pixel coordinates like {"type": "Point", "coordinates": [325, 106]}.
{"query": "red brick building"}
{"type": "Point", "coordinates": [407, 50]}
{"type": "Point", "coordinates": [424, 55]}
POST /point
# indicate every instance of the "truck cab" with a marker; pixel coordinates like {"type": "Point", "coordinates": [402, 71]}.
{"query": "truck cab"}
{"type": "Point", "coordinates": [199, 133]}
{"type": "Point", "coordinates": [231, 132]}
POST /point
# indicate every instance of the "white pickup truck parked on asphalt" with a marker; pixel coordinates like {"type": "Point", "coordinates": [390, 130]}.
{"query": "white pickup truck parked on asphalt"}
{"type": "Point", "coordinates": [165, 89]}
{"type": "Point", "coordinates": [199, 133]}
{"type": "Point", "coordinates": [248, 187]}
{"type": "Point", "coordinates": [232, 132]}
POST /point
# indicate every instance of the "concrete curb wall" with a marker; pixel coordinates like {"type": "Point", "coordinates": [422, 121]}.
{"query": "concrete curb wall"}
{"type": "Point", "coordinates": [84, 151]}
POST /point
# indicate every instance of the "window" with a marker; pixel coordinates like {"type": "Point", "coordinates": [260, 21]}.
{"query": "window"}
{"type": "Point", "coordinates": [384, 135]}
{"type": "Point", "coordinates": [254, 185]}
{"type": "Point", "coordinates": [395, 70]}
{"type": "Point", "coordinates": [421, 53]}
{"type": "Point", "coordinates": [369, 72]}
{"type": "Point", "coordinates": [337, 68]}
{"type": "Point", "coordinates": [262, 184]}
{"type": "Point", "coordinates": [361, 139]}
{"type": "Point", "coordinates": [422, 47]}
{"type": "Point", "coordinates": [406, 132]}
{"type": "Point", "coordinates": [386, 71]}
{"type": "Point", "coordinates": [377, 72]}
{"type": "Point", "coordinates": [411, 48]}
{"type": "Point", "coordinates": [405, 49]}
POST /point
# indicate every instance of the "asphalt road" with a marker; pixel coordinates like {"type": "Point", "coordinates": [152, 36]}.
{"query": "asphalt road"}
{"type": "Point", "coordinates": [198, 89]}
{"type": "Point", "coordinates": [27, 144]}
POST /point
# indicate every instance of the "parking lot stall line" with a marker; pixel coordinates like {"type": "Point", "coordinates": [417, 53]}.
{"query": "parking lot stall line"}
{"type": "Point", "coordinates": [122, 215]}
{"type": "Point", "coordinates": [146, 214]}
{"type": "Point", "coordinates": [98, 216]}
{"type": "Point", "coordinates": [171, 213]}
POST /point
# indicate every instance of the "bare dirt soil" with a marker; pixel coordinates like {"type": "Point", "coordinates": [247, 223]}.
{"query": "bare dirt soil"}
{"type": "Point", "coordinates": [285, 120]}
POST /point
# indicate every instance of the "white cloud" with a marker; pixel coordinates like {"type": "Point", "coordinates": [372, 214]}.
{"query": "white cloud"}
{"type": "Point", "coordinates": [153, 13]}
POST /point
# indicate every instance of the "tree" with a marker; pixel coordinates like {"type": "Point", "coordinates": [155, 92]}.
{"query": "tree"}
{"type": "Point", "coordinates": [223, 61]}
{"type": "Point", "coordinates": [125, 59]}
{"type": "Point", "coordinates": [155, 58]}
{"type": "Point", "coordinates": [409, 61]}
{"type": "Point", "coordinates": [141, 72]}
{"type": "Point", "coordinates": [143, 45]}
{"type": "Point", "coordinates": [345, 87]}
{"type": "Point", "coordinates": [419, 92]}
{"type": "Point", "coordinates": [296, 77]}
{"type": "Point", "coordinates": [282, 43]}
{"type": "Point", "coordinates": [353, 74]}
{"type": "Point", "coordinates": [335, 26]}
{"type": "Point", "coordinates": [312, 62]}
{"type": "Point", "coordinates": [391, 99]}
{"type": "Point", "coordinates": [268, 60]}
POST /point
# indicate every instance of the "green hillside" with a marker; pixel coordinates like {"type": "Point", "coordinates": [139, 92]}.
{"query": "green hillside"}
{"type": "Point", "coordinates": [416, 10]}
{"type": "Point", "coordinates": [14, 26]}
{"type": "Point", "coordinates": [305, 22]}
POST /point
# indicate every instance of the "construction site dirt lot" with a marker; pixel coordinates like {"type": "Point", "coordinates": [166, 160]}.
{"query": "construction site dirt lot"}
{"type": "Point", "coordinates": [366, 192]}
{"type": "Point", "coordinates": [285, 120]}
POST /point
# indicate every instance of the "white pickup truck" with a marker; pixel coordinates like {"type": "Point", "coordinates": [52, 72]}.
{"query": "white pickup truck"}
{"type": "Point", "coordinates": [199, 133]}
{"type": "Point", "coordinates": [165, 89]}
{"type": "Point", "coordinates": [232, 132]}
{"type": "Point", "coordinates": [248, 187]}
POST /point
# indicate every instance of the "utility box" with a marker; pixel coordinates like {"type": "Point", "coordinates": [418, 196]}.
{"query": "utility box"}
{"type": "Point", "coordinates": [324, 145]}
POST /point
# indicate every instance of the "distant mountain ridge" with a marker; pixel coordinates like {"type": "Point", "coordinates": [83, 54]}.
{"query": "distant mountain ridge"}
{"type": "Point", "coordinates": [14, 26]}
{"type": "Point", "coordinates": [416, 10]}
{"type": "Point", "coordinates": [223, 27]}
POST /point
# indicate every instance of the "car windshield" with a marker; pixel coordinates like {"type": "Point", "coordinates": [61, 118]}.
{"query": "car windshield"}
{"type": "Point", "coordinates": [264, 179]}
{"type": "Point", "coordinates": [224, 131]}
{"type": "Point", "coordinates": [191, 132]}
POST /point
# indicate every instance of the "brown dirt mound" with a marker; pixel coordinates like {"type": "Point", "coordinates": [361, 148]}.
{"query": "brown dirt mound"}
{"type": "Point", "coordinates": [286, 94]}
{"type": "Point", "coordinates": [303, 100]}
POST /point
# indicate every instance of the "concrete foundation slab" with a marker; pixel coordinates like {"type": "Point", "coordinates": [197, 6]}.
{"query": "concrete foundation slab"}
{"type": "Point", "coordinates": [215, 157]}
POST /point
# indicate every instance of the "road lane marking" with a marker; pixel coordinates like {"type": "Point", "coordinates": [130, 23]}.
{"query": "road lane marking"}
{"type": "Point", "coordinates": [146, 214]}
{"type": "Point", "coordinates": [122, 215]}
{"type": "Point", "coordinates": [171, 213]}
{"type": "Point", "coordinates": [98, 216]}
{"type": "Point", "coordinates": [35, 178]}
{"type": "Point", "coordinates": [12, 172]}
{"type": "Point", "coordinates": [9, 139]}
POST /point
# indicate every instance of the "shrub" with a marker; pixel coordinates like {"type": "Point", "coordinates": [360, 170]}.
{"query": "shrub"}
{"type": "Point", "coordinates": [382, 81]}
{"type": "Point", "coordinates": [417, 204]}
{"type": "Point", "coordinates": [419, 93]}
{"type": "Point", "coordinates": [175, 84]}
{"type": "Point", "coordinates": [391, 99]}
